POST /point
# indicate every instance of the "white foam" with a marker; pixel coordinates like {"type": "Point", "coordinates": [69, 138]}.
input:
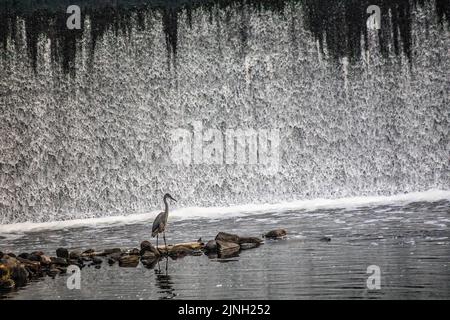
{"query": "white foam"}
{"type": "Point", "coordinates": [227, 212]}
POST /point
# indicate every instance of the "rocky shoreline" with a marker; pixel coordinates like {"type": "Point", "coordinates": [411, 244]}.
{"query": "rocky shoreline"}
{"type": "Point", "coordinates": [18, 270]}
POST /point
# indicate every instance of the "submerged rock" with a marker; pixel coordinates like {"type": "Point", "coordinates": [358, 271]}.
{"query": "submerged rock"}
{"type": "Point", "coordinates": [53, 272]}
{"type": "Point", "coordinates": [253, 240]}
{"type": "Point", "coordinates": [97, 260]}
{"type": "Point", "coordinates": [325, 239]}
{"type": "Point", "coordinates": [62, 253]}
{"type": "Point", "coordinates": [246, 246]}
{"type": "Point", "coordinates": [276, 234]}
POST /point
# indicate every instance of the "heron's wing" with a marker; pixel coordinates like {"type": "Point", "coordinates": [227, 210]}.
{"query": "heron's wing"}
{"type": "Point", "coordinates": [158, 221]}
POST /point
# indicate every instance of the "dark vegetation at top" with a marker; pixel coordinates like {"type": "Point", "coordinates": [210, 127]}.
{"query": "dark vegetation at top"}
{"type": "Point", "coordinates": [337, 24]}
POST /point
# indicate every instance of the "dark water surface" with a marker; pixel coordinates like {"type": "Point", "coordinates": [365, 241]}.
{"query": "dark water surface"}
{"type": "Point", "coordinates": [409, 242]}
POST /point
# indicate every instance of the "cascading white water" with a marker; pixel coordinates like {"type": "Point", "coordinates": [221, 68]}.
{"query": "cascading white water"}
{"type": "Point", "coordinates": [100, 143]}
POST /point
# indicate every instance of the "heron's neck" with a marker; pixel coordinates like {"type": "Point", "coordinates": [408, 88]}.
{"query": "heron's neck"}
{"type": "Point", "coordinates": [166, 206]}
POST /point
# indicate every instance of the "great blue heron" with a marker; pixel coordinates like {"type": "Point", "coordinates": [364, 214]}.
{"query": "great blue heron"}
{"type": "Point", "coordinates": [159, 225]}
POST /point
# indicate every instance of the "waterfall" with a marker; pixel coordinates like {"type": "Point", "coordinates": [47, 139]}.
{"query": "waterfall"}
{"type": "Point", "coordinates": [103, 120]}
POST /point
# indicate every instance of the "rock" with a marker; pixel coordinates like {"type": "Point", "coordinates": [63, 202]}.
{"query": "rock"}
{"type": "Point", "coordinates": [129, 261]}
{"type": "Point", "coordinates": [88, 251]}
{"type": "Point", "coordinates": [146, 246]}
{"type": "Point", "coordinates": [211, 246]}
{"type": "Point", "coordinates": [180, 247]}
{"type": "Point", "coordinates": [149, 263]}
{"type": "Point", "coordinates": [31, 266]}
{"type": "Point", "coordinates": [1, 254]}
{"type": "Point", "coordinates": [5, 277]}
{"type": "Point", "coordinates": [76, 262]}
{"type": "Point", "coordinates": [37, 253]}
{"type": "Point", "coordinates": [98, 266]}
{"type": "Point", "coordinates": [75, 254]}
{"type": "Point", "coordinates": [224, 247]}
{"type": "Point", "coordinates": [227, 237]}
{"type": "Point", "coordinates": [134, 251]}
{"type": "Point", "coordinates": [62, 270]}
{"type": "Point", "coordinates": [180, 251]}
{"type": "Point", "coordinates": [20, 276]}
{"type": "Point", "coordinates": [107, 252]}
{"type": "Point", "coordinates": [97, 260]}
{"type": "Point", "coordinates": [10, 254]}
{"type": "Point", "coordinates": [13, 270]}
{"type": "Point", "coordinates": [7, 284]}
{"type": "Point", "coordinates": [24, 255]}
{"type": "Point", "coordinates": [111, 261]}
{"type": "Point", "coordinates": [45, 260]}
{"type": "Point", "coordinates": [246, 246]}
{"type": "Point", "coordinates": [325, 239]}
{"type": "Point", "coordinates": [62, 253]}
{"type": "Point", "coordinates": [59, 261]}
{"type": "Point", "coordinates": [34, 257]}
{"type": "Point", "coordinates": [116, 256]}
{"type": "Point", "coordinates": [149, 255]}
{"type": "Point", "coordinates": [276, 234]}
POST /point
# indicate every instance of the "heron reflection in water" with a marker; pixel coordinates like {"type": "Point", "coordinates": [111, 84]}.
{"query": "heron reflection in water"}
{"type": "Point", "coordinates": [164, 282]}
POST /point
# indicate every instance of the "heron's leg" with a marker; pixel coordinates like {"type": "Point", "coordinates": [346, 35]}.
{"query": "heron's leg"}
{"type": "Point", "coordinates": [164, 237]}
{"type": "Point", "coordinates": [157, 241]}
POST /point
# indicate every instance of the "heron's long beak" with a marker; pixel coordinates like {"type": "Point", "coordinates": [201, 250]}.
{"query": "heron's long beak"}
{"type": "Point", "coordinates": [173, 199]}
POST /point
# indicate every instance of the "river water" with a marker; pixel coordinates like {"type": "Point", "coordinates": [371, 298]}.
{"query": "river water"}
{"type": "Point", "coordinates": [408, 241]}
